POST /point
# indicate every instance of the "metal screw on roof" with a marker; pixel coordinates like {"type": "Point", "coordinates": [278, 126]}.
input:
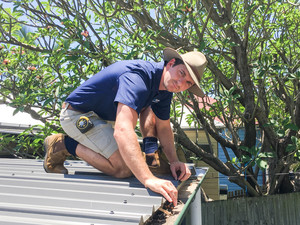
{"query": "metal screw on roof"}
{"type": "Point", "coordinates": [13, 174]}
{"type": "Point", "coordinates": [125, 201]}
{"type": "Point", "coordinates": [112, 212]}
{"type": "Point", "coordinates": [132, 194]}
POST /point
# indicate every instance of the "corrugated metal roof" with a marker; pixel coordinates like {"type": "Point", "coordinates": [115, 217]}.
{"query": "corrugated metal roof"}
{"type": "Point", "coordinates": [13, 128]}
{"type": "Point", "coordinates": [84, 196]}
{"type": "Point", "coordinates": [28, 195]}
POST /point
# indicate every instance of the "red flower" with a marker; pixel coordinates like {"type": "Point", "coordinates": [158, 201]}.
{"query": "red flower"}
{"type": "Point", "coordinates": [85, 33]}
{"type": "Point", "coordinates": [32, 68]}
{"type": "Point", "coordinates": [6, 61]}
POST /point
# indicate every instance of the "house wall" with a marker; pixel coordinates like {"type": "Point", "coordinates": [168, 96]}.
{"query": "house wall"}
{"type": "Point", "coordinates": [211, 181]}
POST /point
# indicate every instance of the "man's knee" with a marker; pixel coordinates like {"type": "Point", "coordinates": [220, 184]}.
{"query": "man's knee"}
{"type": "Point", "coordinates": [120, 169]}
{"type": "Point", "coordinates": [122, 172]}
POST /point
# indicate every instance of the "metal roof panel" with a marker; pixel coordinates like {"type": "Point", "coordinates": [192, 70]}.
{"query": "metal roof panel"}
{"type": "Point", "coordinates": [31, 196]}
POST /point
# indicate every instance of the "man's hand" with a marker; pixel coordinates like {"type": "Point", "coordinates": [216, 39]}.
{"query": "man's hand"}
{"type": "Point", "coordinates": [163, 187]}
{"type": "Point", "coordinates": [181, 167]}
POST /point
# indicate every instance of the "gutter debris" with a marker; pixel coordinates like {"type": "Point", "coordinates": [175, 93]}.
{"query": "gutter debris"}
{"type": "Point", "coordinates": [167, 214]}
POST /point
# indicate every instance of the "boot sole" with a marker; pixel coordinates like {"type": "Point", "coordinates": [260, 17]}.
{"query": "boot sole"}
{"type": "Point", "coordinates": [45, 157]}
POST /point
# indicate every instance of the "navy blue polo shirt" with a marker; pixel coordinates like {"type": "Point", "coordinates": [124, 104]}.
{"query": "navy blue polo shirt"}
{"type": "Point", "coordinates": [134, 83]}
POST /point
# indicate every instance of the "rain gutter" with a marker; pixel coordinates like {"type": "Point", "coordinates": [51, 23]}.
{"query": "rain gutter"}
{"type": "Point", "coordinates": [193, 204]}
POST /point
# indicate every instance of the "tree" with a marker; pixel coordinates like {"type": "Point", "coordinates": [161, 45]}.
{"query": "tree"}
{"type": "Point", "coordinates": [252, 47]}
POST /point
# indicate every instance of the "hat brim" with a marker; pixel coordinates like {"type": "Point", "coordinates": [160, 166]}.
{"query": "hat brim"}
{"type": "Point", "coordinates": [169, 54]}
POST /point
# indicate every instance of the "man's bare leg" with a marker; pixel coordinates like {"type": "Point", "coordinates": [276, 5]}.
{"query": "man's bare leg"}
{"type": "Point", "coordinates": [148, 130]}
{"type": "Point", "coordinates": [114, 166]}
{"type": "Point", "coordinates": [147, 122]}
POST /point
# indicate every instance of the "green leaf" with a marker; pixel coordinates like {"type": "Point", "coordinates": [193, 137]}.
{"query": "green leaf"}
{"type": "Point", "coordinates": [86, 44]}
{"type": "Point", "coordinates": [47, 101]}
{"type": "Point", "coordinates": [232, 89]}
{"type": "Point", "coordinates": [251, 150]}
{"type": "Point", "coordinates": [261, 163]}
{"type": "Point", "coordinates": [291, 126]}
{"type": "Point", "coordinates": [233, 160]}
{"type": "Point", "coordinates": [294, 140]}
{"type": "Point", "coordinates": [280, 133]}
{"type": "Point", "coordinates": [297, 154]}
{"type": "Point", "coordinates": [266, 155]}
{"type": "Point", "coordinates": [202, 45]}
{"type": "Point", "coordinates": [57, 91]}
{"type": "Point", "coordinates": [16, 111]}
{"type": "Point", "coordinates": [72, 58]}
{"type": "Point", "coordinates": [245, 159]}
{"type": "Point", "coordinates": [290, 148]}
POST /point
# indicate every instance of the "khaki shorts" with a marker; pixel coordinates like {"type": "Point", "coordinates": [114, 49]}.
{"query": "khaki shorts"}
{"type": "Point", "coordinates": [99, 138]}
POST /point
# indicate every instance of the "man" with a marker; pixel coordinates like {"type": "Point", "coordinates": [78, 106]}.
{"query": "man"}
{"type": "Point", "coordinates": [123, 93]}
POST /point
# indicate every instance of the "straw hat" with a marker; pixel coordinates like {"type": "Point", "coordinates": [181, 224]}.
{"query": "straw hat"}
{"type": "Point", "coordinates": [195, 63]}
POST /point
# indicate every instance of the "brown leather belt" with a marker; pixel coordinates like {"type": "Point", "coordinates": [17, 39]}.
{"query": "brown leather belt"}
{"type": "Point", "coordinates": [69, 107]}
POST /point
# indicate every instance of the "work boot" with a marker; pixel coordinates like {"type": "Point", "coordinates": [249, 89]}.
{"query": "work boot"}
{"type": "Point", "coordinates": [55, 154]}
{"type": "Point", "coordinates": [162, 165]}
{"type": "Point", "coordinates": [163, 168]}
{"type": "Point", "coordinates": [152, 159]}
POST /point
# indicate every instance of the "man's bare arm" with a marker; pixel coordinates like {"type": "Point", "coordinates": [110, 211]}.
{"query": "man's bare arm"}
{"type": "Point", "coordinates": [131, 153]}
{"type": "Point", "coordinates": [166, 138]}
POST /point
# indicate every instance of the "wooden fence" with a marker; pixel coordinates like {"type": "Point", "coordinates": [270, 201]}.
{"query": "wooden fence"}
{"type": "Point", "coordinates": [281, 209]}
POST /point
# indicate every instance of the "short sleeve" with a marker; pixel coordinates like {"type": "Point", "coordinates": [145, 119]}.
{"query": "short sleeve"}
{"type": "Point", "coordinates": [132, 91]}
